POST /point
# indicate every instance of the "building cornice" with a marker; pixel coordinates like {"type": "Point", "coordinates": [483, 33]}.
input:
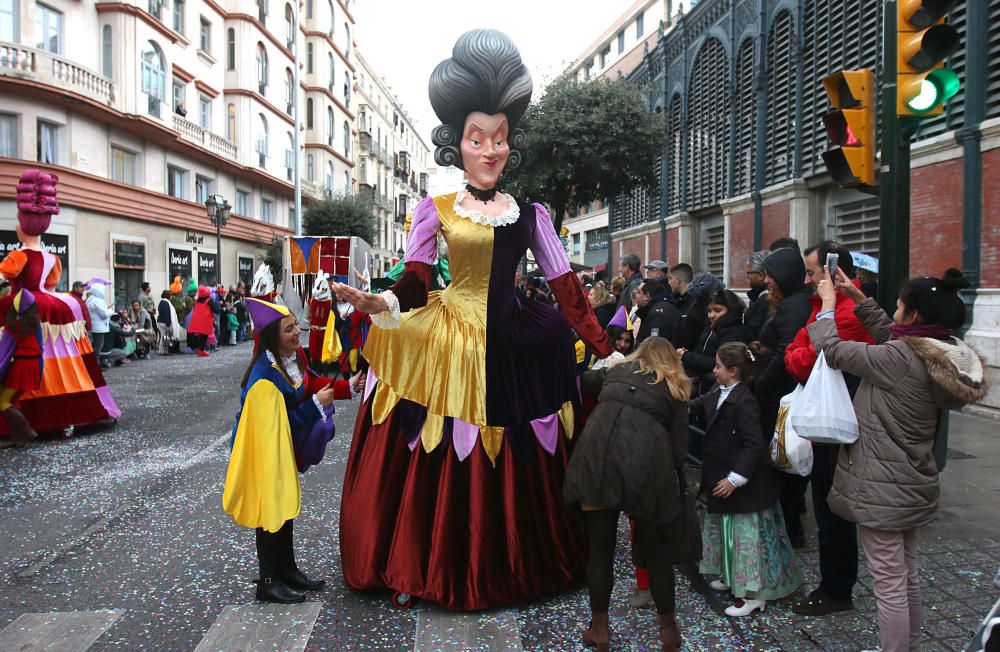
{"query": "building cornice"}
{"type": "Point", "coordinates": [331, 96]}
{"type": "Point", "coordinates": [263, 101]}
{"type": "Point", "coordinates": [211, 4]}
{"type": "Point", "coordinates": [93, 193]}
{"type": "Point", "coordinates": [181, 74]}
{"type": "Point", "coordinates": [335, 153]}
{"type": "Point", "coordinates": [347, 11]}
{"type": "Point", "coordinates": [205, 89]}
{"type": "Point", "coordinates": [264, 32]}
{"type": "Point", "coordinates": [329, 41]}
{"type": "Point", "coordinates": [144, 16]}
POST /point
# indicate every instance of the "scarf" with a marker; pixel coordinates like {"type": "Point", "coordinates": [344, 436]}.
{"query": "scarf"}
{"type": "Point", "coordinates": [933, 331]}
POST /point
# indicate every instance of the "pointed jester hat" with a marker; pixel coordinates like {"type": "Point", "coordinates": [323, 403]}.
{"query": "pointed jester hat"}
{"type": "Point", "coordinates": [23, 300]}
{"type": "Point", "coordinates": [265, 313]}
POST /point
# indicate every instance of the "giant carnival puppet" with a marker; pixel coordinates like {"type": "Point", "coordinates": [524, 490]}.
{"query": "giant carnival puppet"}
{"type": "Point", "coordinates": [64, 387]}
{"type": "Point", "coordinates": [453, 488]}
{"type": "Point", "coordinates": [283, 426]}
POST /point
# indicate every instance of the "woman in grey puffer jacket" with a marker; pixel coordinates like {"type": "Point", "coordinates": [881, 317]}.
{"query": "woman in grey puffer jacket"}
{"type": "Point", "coordinates": [627, 460]}
{"type": "Point", "coordinates": [887, 481]}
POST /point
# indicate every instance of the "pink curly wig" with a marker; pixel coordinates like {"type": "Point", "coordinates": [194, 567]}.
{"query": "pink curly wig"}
{"type": "Point", "coordinates": [37, 201]}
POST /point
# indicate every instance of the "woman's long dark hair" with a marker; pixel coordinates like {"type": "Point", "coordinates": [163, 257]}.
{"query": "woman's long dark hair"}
{"type": "Point", "coordinates": [26, 322]}
{"type": "Point", "coordinates": [267, 340]}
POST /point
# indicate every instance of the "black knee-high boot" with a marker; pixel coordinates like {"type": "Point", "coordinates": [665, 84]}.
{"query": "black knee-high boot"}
{"type": "Point", "coordinates": [291, 574]}
{"type": "Point", "coordinates": [272, 553]}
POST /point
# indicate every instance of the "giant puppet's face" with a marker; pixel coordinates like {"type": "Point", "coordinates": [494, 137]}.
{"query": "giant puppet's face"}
{"type": "Point", "coordinates": [484, 148]}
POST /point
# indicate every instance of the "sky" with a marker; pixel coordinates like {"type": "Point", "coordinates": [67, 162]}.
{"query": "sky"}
{"type": "Point", "coordinates": [403, 40]}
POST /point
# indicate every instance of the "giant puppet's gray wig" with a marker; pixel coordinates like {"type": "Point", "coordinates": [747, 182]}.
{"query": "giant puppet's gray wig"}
{"type": "Point", "coordinates": [484, 73]}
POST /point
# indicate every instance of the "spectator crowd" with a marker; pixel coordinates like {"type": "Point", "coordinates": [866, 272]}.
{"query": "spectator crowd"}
{"type": "Point", "coordinates": [724, 361]}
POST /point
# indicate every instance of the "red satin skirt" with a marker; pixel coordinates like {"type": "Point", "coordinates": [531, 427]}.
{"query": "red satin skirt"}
{"type": "Point", "coordinates": [460, 533]}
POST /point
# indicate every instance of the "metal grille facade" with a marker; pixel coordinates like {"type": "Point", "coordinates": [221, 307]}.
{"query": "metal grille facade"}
{"type": "Point", "coordinates": [856, 226]}
{"type": "Point", "coordinates": [712, 142]}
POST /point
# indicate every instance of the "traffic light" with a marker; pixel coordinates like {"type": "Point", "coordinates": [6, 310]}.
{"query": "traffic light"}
{"type": "Point", "coordinates": [850, 126]}
{"type": "Point", "coordinates": [923, 41]}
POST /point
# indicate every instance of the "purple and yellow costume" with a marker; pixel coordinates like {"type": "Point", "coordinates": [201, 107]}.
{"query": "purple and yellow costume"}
{"type": "Point", "coordinates": [453, 490]}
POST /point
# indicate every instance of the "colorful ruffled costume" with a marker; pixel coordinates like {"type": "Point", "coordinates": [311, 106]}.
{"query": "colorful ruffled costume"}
{"type": "Point", "coordinates": [453, 489]}
{"type": "Point", "coordinates": [73, 390]}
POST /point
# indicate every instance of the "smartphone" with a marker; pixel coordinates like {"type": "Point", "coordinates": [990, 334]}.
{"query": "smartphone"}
{"type": "Point", "coordinates": [831, 266]}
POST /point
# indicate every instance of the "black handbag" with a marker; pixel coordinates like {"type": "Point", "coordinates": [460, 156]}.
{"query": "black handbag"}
{"type": "Point", "coordinates": [685, 531]}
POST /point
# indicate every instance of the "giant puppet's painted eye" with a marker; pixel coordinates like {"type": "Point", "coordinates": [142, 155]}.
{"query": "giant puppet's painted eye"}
{"type": "Point", "coordinates": [475, 143]}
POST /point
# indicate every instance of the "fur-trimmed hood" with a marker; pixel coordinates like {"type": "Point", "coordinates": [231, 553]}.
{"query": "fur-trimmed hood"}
{"type": "Point", "coordinates": [955, 369]}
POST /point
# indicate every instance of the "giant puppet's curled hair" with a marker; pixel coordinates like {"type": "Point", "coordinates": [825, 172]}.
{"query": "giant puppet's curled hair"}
{"type": "Point", "coordinates": [37, 201]}
{"type": "Point", "coordinates": [484, 73]}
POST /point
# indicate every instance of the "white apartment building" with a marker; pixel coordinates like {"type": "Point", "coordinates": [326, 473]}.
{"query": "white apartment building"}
{"type": "Point", "coordinates": [616, 52]}
{"type": "Point", "coordinates": [392, 162]}
{"type": "Point", "coordinates": [144, 108]}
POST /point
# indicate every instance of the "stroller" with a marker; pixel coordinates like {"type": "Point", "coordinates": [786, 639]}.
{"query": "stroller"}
{"type": "Point", "coordinates": [145, 340]}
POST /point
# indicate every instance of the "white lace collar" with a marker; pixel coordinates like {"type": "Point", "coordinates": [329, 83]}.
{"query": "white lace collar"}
{"type": "Point", "coordinates": [291, 364]}
{"type": "Point", "coordinates": [505, 218]}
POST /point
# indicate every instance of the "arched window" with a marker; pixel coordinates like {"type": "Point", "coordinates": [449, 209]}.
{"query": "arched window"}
{"type": "Point", "coordinates": [347, 183]}
{"type": "Point", "coordinates": [309, 113]}
{"type": "Point", "coordinates": [310, 167]}
{"type": "Point", "coordinates": [230, 48]}
{"type": "Point", "coordinates": [347, 40]}
{"type": "Point", "coordinates": [331, 70]}
{"type": "Point", "coordinates": [262, 144]}
{"type": "Point", "coordinates": [329, 176]}
{"type": "Point", "coordinates": [289, 29]}
{"type": "Point", "coordinates": [309, 58]}
{"type": "Point", "coordinates": [261, 68]}
{"type": "Point", "coordinates": [333, 17]}
{"type": "Point", "coordinates": [780, 99]}
{"type": "Point", "coordinates": [362, 121]}
{"type": "Point", "coordinates": [347, 88]}
{"type": "Point", "coordinates": [745, 105]}
{"type": "Point", "coordinates": [347, 138]}
{"type": "Point", "coordinates": [708, 127]}
{"type": "Point", "coordinates": [106, 49]}
{"type": "Point", "coordinates": [290, 155]}
{"type": "Point", "coordinates": [153, 76]}
{"type": "Point", "coordinates": [329, 126]}
{"type": "Point", "coordinates": [289, 90]}
{"type": "Point", "coordinates": [231, 123]}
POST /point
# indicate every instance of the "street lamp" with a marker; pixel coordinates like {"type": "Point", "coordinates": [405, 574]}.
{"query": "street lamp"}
{"type": "Point", "coordinates": [218, 213]}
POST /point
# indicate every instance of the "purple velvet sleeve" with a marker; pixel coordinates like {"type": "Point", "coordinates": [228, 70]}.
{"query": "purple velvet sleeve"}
{"type": "Point", "coordinates": [545, 245]}
{"type": "Point", "coordinates": [421, 247]}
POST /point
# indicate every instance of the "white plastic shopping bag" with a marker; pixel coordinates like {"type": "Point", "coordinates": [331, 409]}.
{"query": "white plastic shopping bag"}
{"type": "Point", "coordinates": [824, 413]}
{"type": "Point", "coordinates": [789, 452]}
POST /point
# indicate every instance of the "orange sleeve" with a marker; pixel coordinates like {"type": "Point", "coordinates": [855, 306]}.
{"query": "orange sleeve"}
{"type": "Point", "coordinates": [13, 264]}
{"type": "Point", "coordinates": [55, 274]}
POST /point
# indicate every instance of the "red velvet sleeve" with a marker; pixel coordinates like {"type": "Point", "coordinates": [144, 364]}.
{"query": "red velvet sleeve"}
{"type": "Point", "coordinates": [576, 308]}
{"type": "Point", "coordinates": [341, 390]}
{"type": "Point", "coordinates": [411, 288]}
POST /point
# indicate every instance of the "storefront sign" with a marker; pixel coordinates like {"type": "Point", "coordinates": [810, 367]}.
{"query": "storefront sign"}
{"type": "Point", "coordinates": [245, 270]}
{"type": "Point", "coordinates": [207, 269]}
{"type": "Point", "coordinates": [179, 264]}
{"type": "Point", "coordinates": [129, 255]}
{"type": "Point", "coordinates": [194, 238]}
{"type": "Point", "coordinates": [57, 245]}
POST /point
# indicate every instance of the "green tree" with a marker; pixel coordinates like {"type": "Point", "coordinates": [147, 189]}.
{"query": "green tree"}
{"type": "Point", "coordinates": [587, 141]}
{"type": "Point", "coordinates": [272, 254]}
{"type": "Point", "coordinates": [348, 215]}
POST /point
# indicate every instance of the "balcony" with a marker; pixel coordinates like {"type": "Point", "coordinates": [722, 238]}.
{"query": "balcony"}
{"type": "Point", "coordinates": [365, 142]}
{"type": "Point", "coordinates": [53, 70]}
{"type": "Point", "coordinates": [366, 190]}
{"type": "Point", "coordinates": [198, 135]}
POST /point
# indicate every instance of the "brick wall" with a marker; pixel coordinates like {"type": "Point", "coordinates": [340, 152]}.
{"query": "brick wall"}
{"type": "Point", "coordinates": [740, 247]}
{"type": "Point", "coordinates": [635, 245]}
{"type": "Point", "coordinates": [777, 217]}
{"type": "Point", "coordinates": [673, 246]}
{"type": "Point", "coordinates": [936, 218]}
{"type": "Point", "coordinates": [991, 220]}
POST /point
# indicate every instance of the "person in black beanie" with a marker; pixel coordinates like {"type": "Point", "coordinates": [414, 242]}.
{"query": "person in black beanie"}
{"type": "Point", "coordinates": [788, 294]}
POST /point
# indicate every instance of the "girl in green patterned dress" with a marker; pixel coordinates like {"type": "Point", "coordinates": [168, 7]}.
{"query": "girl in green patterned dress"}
{"type": "Point", "coordinates": [744, 538]}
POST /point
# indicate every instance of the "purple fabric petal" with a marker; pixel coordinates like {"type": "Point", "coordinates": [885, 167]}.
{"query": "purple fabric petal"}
{"type": "Point", "coordinates": [545, 245]}
{"type": "Point", "coordinates": [370, 383]}
{"type": "Point", "coordinates": [422, 244]}
{"type": "Point", "coordinates": [411, 419]}
{"type": "Point", "coordinates": [464, 436]}
{"type": "Point", "coordinates": [310, 443]}
{"type": "Point", "coordinates": [547, 432]}
{"type": "Point", "coordinates": [108, 401]}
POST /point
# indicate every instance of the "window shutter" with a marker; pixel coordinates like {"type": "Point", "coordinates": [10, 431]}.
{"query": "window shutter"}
{"type": "Point", "coordinates": [746, 118]}
{"type": "Point", "coordinates": [856, 225]}
{"type": "Point", "coordinates": [708, 126]}
{"type": "Point", "coordinates": [780, 90]}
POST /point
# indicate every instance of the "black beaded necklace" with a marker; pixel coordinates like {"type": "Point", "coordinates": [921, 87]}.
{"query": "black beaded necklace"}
{"type": "Point", "coordinates": [480, 194]}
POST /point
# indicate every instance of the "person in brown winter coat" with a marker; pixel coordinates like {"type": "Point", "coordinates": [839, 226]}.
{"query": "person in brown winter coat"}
{"type": "Point", "coordinates": [887, 481]}
{"type": "Point", "coordinates": [628, 459]}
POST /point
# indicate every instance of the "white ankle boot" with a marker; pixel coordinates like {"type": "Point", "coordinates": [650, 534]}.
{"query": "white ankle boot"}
{"type": "Point", "coordinates": [745, 607]}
